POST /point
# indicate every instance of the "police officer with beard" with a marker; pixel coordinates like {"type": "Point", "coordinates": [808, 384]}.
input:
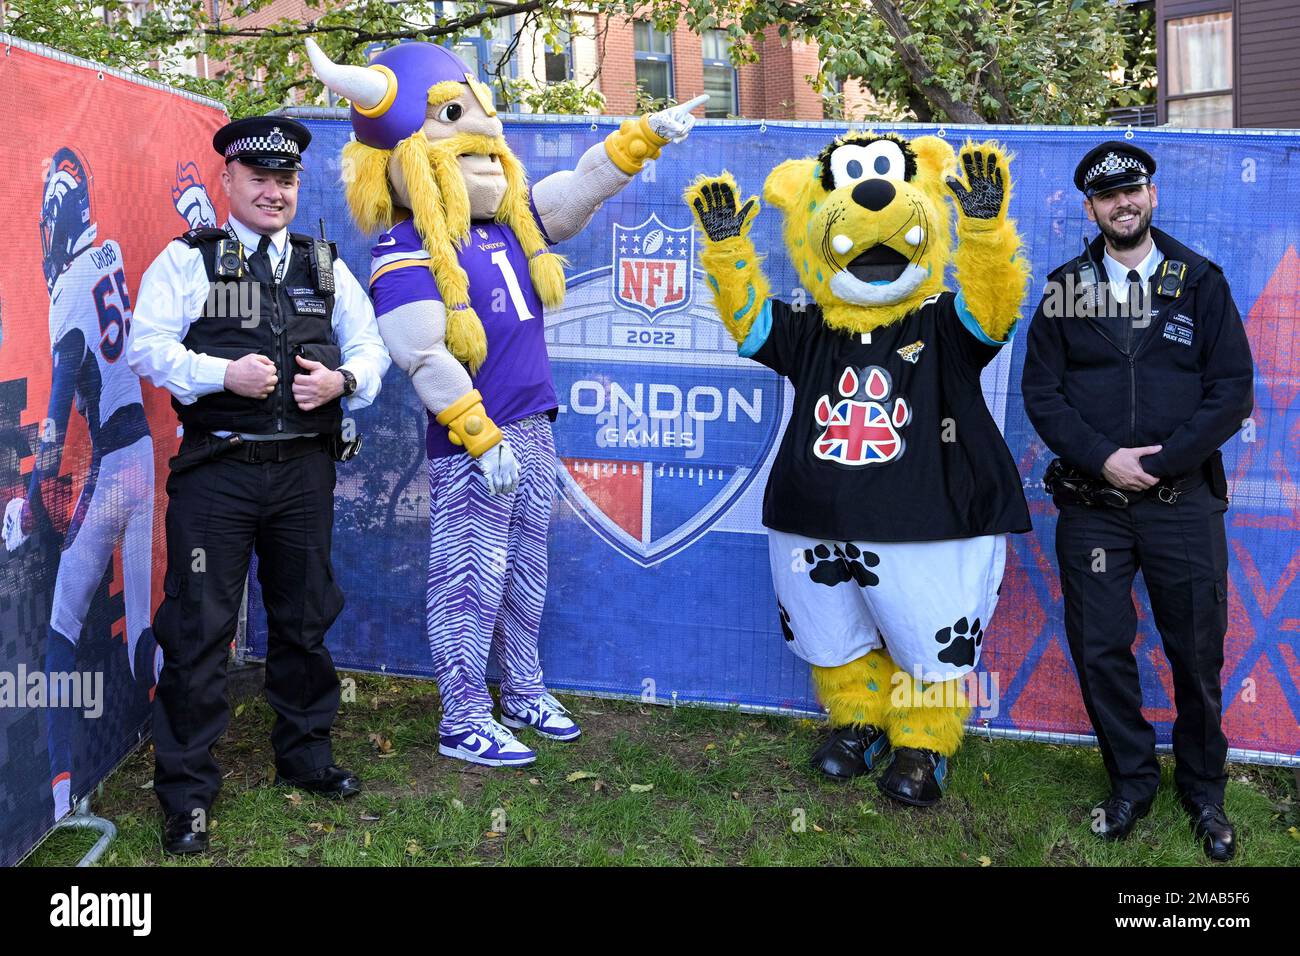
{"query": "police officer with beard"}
{"type": "Point", "coordinates": [259, 334]}
{"type": "Point", "coordinates": [1137, 370]}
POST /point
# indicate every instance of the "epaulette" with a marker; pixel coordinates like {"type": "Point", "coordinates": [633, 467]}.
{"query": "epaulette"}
{"type": "Point", "coordinates": [196, 237]}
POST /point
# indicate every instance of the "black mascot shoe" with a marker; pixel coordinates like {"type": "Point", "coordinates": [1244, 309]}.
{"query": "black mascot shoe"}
{"type": "Point", "coordinates": [851, 751]}
{"type": "Point", "coordinates": [915, 777]}
{"type": "Point", "coordinates": [1115, 817]}
{"type": "Point", "coordinates": [180, 836]}
{"type": "Point", "coordinates": [331, 781]}
{"type": "Point", "coordinates": [1213, 828]}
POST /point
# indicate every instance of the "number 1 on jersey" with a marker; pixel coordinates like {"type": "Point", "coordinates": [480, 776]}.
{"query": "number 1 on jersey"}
{"type": "Point", "coordinates": [502, 262]}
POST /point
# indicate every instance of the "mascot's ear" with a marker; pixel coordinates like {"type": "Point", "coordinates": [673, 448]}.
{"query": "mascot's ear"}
{"type": "Point", "coordinates": [935, 160]}
{"type": "Point", "coordinates": [786, 183]}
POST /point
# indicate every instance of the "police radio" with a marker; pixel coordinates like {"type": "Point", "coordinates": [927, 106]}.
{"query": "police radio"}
{"type": "Point", "coordinates": [230, 259]}
{"type": "Point", "coordinates": [1089, 280]}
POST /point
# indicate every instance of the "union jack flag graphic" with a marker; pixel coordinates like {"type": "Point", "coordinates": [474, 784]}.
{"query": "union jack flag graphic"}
{"type": "Point", "coordinates": [856, 432]}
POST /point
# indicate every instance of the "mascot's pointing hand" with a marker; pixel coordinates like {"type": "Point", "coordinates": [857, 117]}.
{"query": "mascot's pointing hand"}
{"type": "Point", "coordinates": [984, 193]}
{"type": "Point", "coordinates": [715, 202]}
{"type": "Point", "coordinates": [674, 124]}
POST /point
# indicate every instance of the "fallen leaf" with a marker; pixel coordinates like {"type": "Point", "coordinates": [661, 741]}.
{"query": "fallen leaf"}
{"type": "Point", "coordinates": [457, 804]}
{"type": "Point", "coordinates": [294, 797]}
{"type": "Point", "coordinates": [369, 817]}
{"type": "Point", "coordinates": [382, 743]}
{"type": "Point", "coordinates": [597, 786]}
{"type": "Point", "coordinates": [708, 747]}
{"type": "Point", "coordinates": [817, 829]}
{"type": "Point", "coordinates": [492, 835]}
{"type": "Point", "coordinates": [984, 861]}
{"type": "Point", "coordinates": [533, 781]}
{"type": "Point", "coordinates": [239, 709]}
{"type": "Point", "coordinates": [413, 848]}
{"type": "Point", "coordinates": [1294, 833]}
{"type": "Point", "coordinates": [579, 775]}
{"type": "Point", "coordinates": [367, 839]}
{"type": "Point", "coordinates": [641, 787]}
{"type": "Point", "coordinates": [988, 781]}
{"type": "Point", "coordinates": [735, 795]}
{"type": "Point", "coordinates": [327, 827]}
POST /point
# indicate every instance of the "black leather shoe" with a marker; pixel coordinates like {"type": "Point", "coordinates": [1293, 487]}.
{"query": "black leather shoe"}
{"type": "Point", "coordinates": [1115, 817]}
{"type": "Point", "coordinates": [332, 781]}
{"type": "Point", "coordinates": [180, 836]}
{"type": "Point", "coordinates": [1215, 831]}
{"type": "Point", "coordinates": [915, 777]}
{"type": "Point", "coordinates": [851, 751]}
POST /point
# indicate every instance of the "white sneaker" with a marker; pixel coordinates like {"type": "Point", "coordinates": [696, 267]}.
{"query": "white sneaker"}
{"type": "Point", "coordinates": [546, 715]}
{"type": "Point", "coordinates": [487, 743]}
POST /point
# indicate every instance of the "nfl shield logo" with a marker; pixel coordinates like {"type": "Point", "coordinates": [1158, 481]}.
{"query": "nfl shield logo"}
{"type": "Point", "coordinates": [653, 267]}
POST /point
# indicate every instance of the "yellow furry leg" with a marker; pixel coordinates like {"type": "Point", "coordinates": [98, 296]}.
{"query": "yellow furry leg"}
{"type": "Point", "coordinates": [856, 692]}
{"type": "Point", "coordinates": [926, 716]}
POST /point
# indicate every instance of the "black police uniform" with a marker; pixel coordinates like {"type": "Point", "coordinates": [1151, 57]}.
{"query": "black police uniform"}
{"type": "Point", "coordinates": [1181, 378]}
{"type": "Point", "coordinates": [227, 497]}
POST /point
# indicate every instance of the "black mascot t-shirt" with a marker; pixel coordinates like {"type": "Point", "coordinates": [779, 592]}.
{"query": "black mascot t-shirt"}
{"type": "Point", "coordinates": [889, 439]}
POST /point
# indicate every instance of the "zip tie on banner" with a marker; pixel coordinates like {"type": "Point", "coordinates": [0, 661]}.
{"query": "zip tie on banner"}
{"type": "Point", "coordinates": [941, 133]}
{"type": "Point", "coordinates": [674, 700]}
{"type": "Point", "coordinates": [101, 74]}
{"type": "Point", "coordinates": [988, 729]}
{"type": "Point", "coordinates": [762, 126]}
{"type": "Point", "coordinates": [1128, 133]}
{"type": "Point", "coordinates": [593, 126]}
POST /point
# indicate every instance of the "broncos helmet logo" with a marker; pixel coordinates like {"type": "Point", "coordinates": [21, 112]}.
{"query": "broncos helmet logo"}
{"type": "Point", "coordinates": [191, 198]}
{"type": "Point", "coordinates": [67, 226]}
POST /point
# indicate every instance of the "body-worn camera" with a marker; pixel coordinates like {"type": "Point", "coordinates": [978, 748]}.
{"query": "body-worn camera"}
{"type": "Point", "coordinates": [230, 259]}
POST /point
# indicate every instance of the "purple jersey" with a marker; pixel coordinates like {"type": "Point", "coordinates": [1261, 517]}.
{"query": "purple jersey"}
{"type": "Point", "coordinates": [515, 380]}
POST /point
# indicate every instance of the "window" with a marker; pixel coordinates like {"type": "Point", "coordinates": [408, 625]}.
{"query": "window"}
{"type": "Point", "coordinates": [654, 60]}
{"type": "Point", "coordinates": [482, 54]}
{"type": "Point", "coordinates": [559, 63]}
{"type": "Point", "coordinates": [1198, 71]}
{"type": "Point", "coordinates": [719, 75]}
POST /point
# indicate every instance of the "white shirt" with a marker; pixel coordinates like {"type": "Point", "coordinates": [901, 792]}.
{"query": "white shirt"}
{"type": "Point", "coordinates": [1117, 272]}
{"type": "Point", "coordinates": [172, 296]}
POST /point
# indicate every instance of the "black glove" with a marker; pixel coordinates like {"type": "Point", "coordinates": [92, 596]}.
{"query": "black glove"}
{"type": "Point", "coordinates": [716, 209]}
{"type": "Point", "coordinates": [983, 200]}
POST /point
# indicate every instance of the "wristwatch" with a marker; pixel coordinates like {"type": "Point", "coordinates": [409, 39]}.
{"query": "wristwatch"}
{"type": "Point", "coordinates": [349, 382]}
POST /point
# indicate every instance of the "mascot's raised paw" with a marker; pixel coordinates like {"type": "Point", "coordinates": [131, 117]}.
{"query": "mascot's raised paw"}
{"type": "Point", "coordinates": [984, 194]}
{"type": "Point", "coordinates": [715, 201]}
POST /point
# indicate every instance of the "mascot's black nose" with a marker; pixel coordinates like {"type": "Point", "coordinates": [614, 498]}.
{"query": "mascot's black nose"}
{"type": "Point", "coordinates": [873, 194]}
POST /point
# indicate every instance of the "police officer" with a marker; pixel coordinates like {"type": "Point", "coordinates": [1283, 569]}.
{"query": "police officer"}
{"type": "Point", "coordinates": [259, 334]}
{"type": "Point", "coordinates": [1137, 370]}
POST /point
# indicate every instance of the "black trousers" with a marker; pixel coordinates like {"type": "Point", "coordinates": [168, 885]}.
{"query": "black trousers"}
{"type": "Point", "coordinates": [1182, 552]}
{"type": "Point", "coordinates": [217, 513]}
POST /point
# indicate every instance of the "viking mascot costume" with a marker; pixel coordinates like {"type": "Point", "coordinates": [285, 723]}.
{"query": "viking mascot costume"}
{"type": "Point", "coordinates": [459, 279]}
{"type": "Point", "coordinates": [892, 492]}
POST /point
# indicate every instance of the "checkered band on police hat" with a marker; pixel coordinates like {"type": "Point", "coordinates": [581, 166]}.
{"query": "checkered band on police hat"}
{"type": "Point", "coordinates": [273, 142]}
{"type": "Point", "coordinates": [1113, 163]}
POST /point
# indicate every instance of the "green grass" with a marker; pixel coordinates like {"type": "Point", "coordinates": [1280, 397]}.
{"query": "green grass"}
{"type": "Point", "coordinates": [726, 788]}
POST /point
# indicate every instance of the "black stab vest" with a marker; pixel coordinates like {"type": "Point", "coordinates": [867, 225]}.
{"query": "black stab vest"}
{"type": "Point", "coordinates": [280, 321]}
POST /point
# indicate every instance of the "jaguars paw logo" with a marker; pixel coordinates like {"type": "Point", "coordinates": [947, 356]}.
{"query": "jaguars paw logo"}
{"type": "Point", "coordinates": [842, 565]}
{"type": "Point", "coordinates": [962, 640]}
{"type": "Point", "coordinates": [856, 429]}
{"type": "Point", "coordinates": [785, 622]}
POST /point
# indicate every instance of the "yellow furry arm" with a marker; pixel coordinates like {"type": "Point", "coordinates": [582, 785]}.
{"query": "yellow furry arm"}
{"type": "Point", "coordinates": [992, 271]}
{"type": "Point", "coordinates": [632, 144]}
{"type": "Point", "coordinates": [730, 261]}
{"type": "Point", "coordinates": [467, 424]}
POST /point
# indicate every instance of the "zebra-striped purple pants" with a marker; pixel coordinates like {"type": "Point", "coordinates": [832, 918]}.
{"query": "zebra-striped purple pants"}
{"type": "Point", "coordinates": [487, 576]}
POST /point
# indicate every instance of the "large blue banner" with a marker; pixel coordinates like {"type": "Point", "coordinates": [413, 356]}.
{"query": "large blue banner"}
{"type": "Point", "coordinates": [659, 582]}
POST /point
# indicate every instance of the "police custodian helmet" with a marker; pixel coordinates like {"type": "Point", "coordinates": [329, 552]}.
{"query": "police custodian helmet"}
{"type": "Point", "coordinates": [1113, 165]}
{"type": "Point", "coordinates": [271, 142]}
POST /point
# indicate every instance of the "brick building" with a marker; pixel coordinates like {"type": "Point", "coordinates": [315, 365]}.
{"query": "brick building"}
{"type": "Point", "coordinates": [615, 55]}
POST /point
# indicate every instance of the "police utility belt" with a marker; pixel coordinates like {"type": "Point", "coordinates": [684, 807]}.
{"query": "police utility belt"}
{"type": "Point", "coordinates": [1068, 485]}
{"type": "Point", "coordinates": [204, 448]}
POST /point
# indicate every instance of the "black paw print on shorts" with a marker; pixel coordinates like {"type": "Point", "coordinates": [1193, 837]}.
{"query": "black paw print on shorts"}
{"type": "Point", "coordinates": [961, 640]}
{"type": "Point", "coordinates": [847, 563]}
{"type": "Point", "coordinates": [785, 621]}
